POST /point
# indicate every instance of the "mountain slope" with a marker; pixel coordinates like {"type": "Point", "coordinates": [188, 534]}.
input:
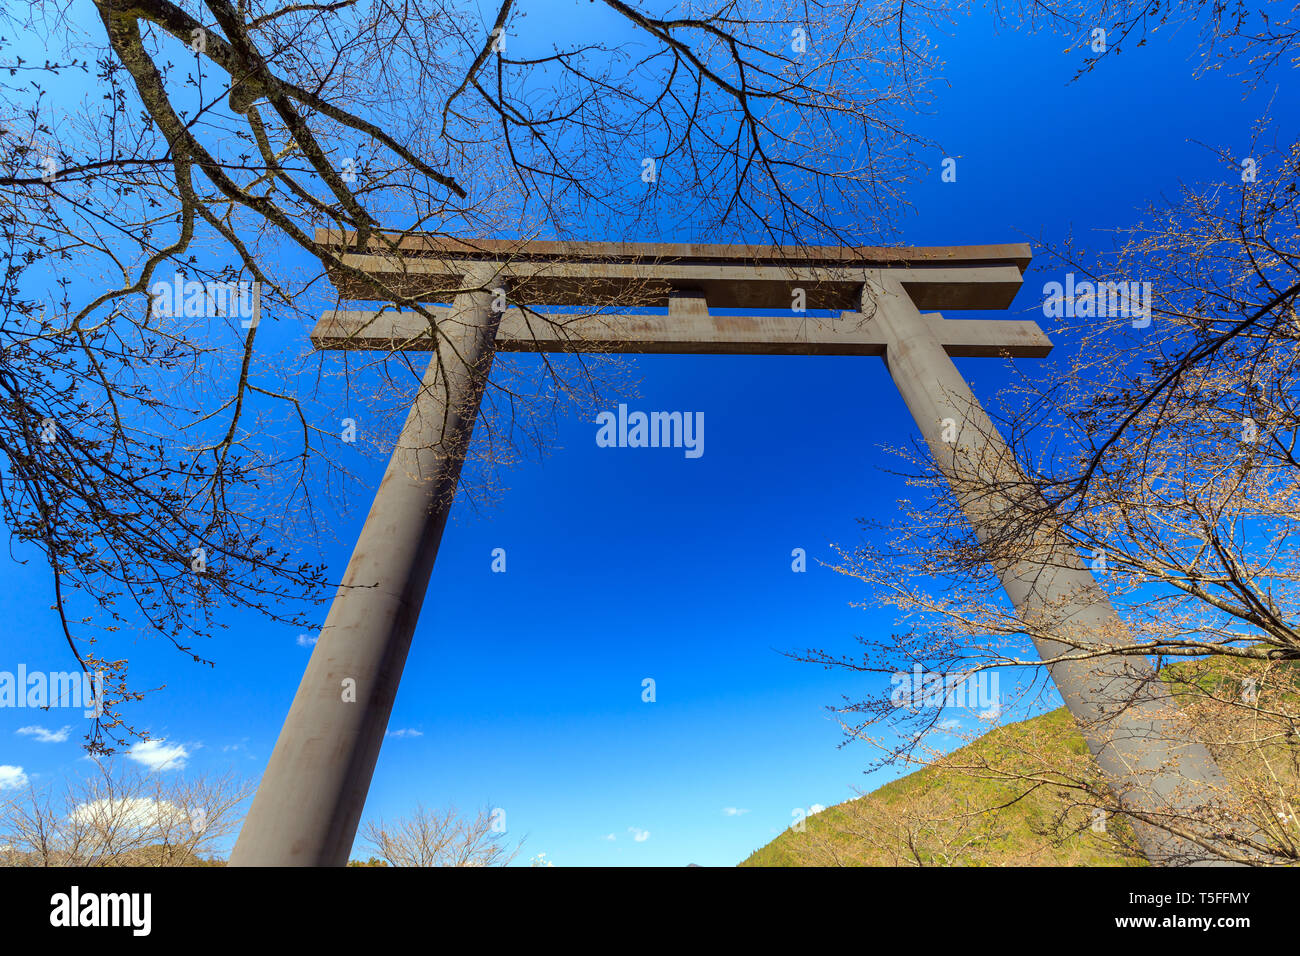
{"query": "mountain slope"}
{"type": "Point", "coordinates": [1019, 795]}
{"type": "Point", "coordinates": [942, 816]}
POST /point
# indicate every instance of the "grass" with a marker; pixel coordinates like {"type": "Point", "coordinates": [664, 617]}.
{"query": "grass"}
{"type": "Point", "coordinates": [1012, 796]}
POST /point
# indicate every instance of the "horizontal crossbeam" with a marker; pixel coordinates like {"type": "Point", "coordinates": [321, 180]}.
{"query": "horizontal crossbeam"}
{"type": "Point", "coordinates": [507, 250]}
{"type": "Point", "coordinates": [650, 284]}
{"type": "Point", "coordinates": [686, 332]}
{"type": "Point", "coordinates": [645, 274]}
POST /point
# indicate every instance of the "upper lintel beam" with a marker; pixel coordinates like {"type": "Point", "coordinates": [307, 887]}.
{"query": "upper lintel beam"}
{"type": "Point", "coordinates": [1018, 254]}
{"type": "Point", "coordinates": [726, 285]}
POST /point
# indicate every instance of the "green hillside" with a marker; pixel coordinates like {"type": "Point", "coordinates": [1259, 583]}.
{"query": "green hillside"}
{"type": "Point", "coordinates": [942, 817]}
{"type": "Point", "coordinates": [986, 804]}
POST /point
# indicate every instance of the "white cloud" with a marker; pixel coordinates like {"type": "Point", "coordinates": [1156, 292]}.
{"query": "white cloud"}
{"type": "Point", "coordinates": [952, 723]}
{"type": "Point", "coordinates": [610, 837]}
{"type": "Point", "coordinates": [993, 713]}
{"type": "Point", "coordinates": [639, 835]}
{"type": "Point", "coordinates": [815, 808]}
{"type": "Point", "coordinates": [11, 778]}
{"type": "Point", "coordinates": [140, 814]}
{"type": "Point", "coordinates": [405, 732]}
{"type": "Point", "coordinates": [733, 811]}
{"type": "Point", "coordinates": [45, 736]}
{"type": "Point", "coordinates": [156, 755]}
{"type": "Point", "coordinates": [306, 640]}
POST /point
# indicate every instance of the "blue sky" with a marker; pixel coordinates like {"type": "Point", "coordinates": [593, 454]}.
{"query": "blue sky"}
{"type": "Point", "coordinates": [523, 690]}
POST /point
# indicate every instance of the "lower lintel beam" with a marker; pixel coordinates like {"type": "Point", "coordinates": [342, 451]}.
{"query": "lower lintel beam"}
{"type": "Point", "coordinates": [525, 331]}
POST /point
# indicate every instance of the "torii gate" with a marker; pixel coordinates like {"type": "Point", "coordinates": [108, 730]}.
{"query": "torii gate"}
{"type": "Point", "coordinates": [310, 800]}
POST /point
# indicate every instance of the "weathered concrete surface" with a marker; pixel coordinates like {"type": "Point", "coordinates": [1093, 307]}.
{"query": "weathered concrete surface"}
{"type": "Point", "coordinates": [728, 285]}
{"type": "Point", "coordinates": [681, 334]}
{"type": "Point", "coordinates": [310, 799]}
{"type": "Point", "coordinates": [509, 250]}
{"type": "Point", "coordinates": [1152, 761]}
{"type": "Point", "coordinates": [646, 273]}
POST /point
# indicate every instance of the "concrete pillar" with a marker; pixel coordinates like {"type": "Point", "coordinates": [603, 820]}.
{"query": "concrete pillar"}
{"type": "Point", "coordinates": [1151, 760]}
{"type": "Point", "coordinates": [309, 803]}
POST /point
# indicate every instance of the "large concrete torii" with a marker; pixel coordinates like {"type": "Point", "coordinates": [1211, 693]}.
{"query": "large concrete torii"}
{"type": "Point", "coordinates": [310, 800]}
